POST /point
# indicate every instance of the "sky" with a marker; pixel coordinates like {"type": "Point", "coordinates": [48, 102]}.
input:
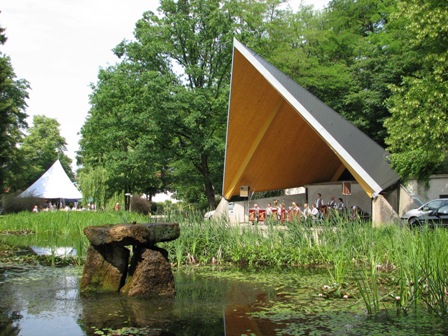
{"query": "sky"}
{"type": "Point", "coordinates": [58, 46]}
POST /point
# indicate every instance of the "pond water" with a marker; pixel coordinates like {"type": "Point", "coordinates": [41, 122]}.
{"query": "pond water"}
{"type": "Point", "coordinates": [46, 301]}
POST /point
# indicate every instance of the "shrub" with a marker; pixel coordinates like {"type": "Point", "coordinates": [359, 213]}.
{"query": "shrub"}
{"type": "Point", "coordinates": [140, 205]}
{"type": "Point", "coordinates": [14, 204]}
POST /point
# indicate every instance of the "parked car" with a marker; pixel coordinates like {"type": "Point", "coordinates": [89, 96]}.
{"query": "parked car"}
{"type": "Point", "coordinates": [434, 212]}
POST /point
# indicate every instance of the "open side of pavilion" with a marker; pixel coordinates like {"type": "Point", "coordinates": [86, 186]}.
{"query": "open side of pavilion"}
{"type": "Point", "coordinates": [281, 136]}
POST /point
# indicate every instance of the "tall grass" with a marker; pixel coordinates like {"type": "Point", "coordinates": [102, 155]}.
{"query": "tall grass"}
{"type": "Point", "coordinates": [389, 265]}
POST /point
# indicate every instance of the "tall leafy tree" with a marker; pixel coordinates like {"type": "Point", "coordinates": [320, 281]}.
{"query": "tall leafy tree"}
{"type": "Point", "coordinates": [373, 65]}
{"type": "Point", "coordinates": [93, 183]}
{"type": "Point", "coordinates": [417, 129]}
{"type": "Point", "coordinates": [119, 134]}
{"type": "Point", "coordinates": [194, 37]}
{"type": "Point", "coordinates": [41, 147]}
{"type": "Point", "coordinates": [175, 76]}
{"type": "Point", "coordinates": [13, 95]}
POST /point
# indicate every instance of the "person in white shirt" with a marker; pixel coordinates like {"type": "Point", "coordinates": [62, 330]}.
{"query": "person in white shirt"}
{"type": "Point", "coordinates": [332, 203]}
{"type": "Point", "coordinates": [314, 212]}
{"type": "Point", "coordinates": [269, 210]}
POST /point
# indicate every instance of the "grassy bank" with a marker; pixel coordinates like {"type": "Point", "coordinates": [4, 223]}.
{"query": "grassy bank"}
{"type": "Point", "coordinates": [387, 265]}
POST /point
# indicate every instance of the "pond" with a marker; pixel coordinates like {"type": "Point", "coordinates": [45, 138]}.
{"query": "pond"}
{"type": "Point", "coordinates": [42, 300]}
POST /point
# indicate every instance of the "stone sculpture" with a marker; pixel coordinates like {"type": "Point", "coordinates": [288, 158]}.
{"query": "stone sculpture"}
{"type": "Point", "coordinates": [124, 258]}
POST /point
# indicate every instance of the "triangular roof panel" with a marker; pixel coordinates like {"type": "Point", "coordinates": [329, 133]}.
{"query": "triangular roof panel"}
{"type": "Point", "coordinates": [54, 183]}
{"type": "Point", "coordinates": [281, 136]}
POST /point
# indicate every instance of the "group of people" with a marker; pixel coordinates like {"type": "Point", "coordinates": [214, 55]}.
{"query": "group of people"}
{"type": "Point", "coordinates": [49, 206]}
{"type": "Point", "coordinates": [279, 212]}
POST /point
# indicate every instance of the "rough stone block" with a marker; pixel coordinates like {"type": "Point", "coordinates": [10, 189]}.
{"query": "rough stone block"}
{"type": "Point", "coordinates": [105, 268]}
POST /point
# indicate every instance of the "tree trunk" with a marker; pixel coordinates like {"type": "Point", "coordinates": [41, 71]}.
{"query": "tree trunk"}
{"type": "Point", "coordinates": [209, 190]}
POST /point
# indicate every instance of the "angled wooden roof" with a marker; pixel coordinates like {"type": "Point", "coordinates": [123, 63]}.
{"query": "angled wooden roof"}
{"type": "Point", "coordinates": [281, 136]}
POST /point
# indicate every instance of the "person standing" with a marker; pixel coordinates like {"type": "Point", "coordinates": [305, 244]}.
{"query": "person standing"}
{"type": "Point", "coordinates": [319, 202]}
{"type": "Point", "coordinates": [315, 214]}
{"type": "Point", "coordinates": [306, 211]}
{"type": "Point", "coordinates": [269, 212]}
{"type": "Point", "coordinates": [319, 205]}
{"type": "Point", "coordinates": [332, 203]}
{"type": "Point", "coordinates": [341, 205]}
{"type": "Point", "coordinates": [257, 212]}
{"type": "Point", "coordinates": [117, 207]}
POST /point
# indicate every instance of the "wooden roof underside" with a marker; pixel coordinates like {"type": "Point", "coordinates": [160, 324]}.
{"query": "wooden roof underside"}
{"type": "Point", "coordinates": [269, 145]}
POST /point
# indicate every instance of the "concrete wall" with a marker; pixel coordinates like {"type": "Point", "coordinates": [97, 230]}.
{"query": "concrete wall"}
{"type": "Point", "coordinates": [383, 212]}
{"type": "Point", "coordinates": [437, 188]}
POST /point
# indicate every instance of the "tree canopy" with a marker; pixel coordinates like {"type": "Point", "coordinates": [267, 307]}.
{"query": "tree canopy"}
{"type": "Point", "coordinates": [419, 103]}
{"type": "Point", "coordinates": [158, 117]}
{"type": "Point", "coordinates": [40, 148]}
{"type": "Point", "coordinates": [13, 95]}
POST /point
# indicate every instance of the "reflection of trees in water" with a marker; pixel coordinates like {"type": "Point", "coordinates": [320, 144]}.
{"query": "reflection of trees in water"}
{"type": "Point", "coordinates": [7, 322]}
{"type": "Point", "coordinates": [34, 292]}
{"type": "Point", "coordinates": [9, 308]}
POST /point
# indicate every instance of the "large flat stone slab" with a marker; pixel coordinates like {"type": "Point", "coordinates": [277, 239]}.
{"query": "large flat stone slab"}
{"type": "Point", "coordinates": [146, 234]}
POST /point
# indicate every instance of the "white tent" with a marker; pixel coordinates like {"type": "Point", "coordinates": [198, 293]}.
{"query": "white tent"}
{"type": "Point", "coordinates": [53, 184]}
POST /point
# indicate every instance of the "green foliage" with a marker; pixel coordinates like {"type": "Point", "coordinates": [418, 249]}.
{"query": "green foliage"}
{"type": "Point", "coordinates": [140, 205]}
{"type": "Point", "coordinates": [419, 103]}
{"type": "Point", "coordinates": [118, 138]}
{"type": "Point", "coordinates": [13, 204]}
{"type": "Point", "coordinates": [42, 146]}
{"type": "Point", "coordinates": [13, 95]}
{"type": "Point", "coordinates": [93, 184]}
{"type": "Point", "coordinates": [165, 103]}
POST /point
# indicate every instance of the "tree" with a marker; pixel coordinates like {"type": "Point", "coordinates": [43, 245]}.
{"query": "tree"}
{"type": "Point", "coordinates": [196, 37]}
{"type": "Point", "coordinates": [175, 79]}
{"type": "Point", "coordinates": [119, 134]}
{"type": "Point", "coordinates": [93, 184]}
{"type": "Point", "coordinates": [40, 149]}
{"type": "Point", "coordinates": [13, 95]}
{"type": "Point", "coordinates": [338, 55]}
{"type": "Point", "coordinates": [417, 128]}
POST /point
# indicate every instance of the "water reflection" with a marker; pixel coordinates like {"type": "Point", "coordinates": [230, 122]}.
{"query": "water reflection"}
{"type": "Point", "coordinates": [46, 301]}
{"type": "Point", "coordinates": [40, 300]}
{"type": "Point", "coordinates": [56, 251]}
